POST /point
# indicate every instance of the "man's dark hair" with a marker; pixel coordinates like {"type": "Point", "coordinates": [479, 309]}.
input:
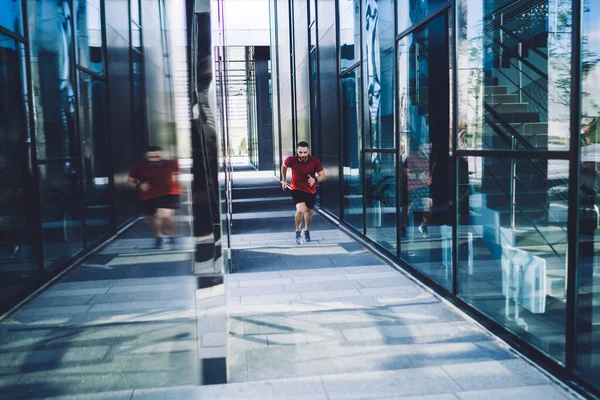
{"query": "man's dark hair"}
{"type": "Point", "coordinates": [153, 148]}
{"type": "Point", "coordinates": [302, 144]}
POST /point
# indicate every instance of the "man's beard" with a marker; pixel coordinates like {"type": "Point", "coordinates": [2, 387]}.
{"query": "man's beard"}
{"type": "Point", "coordinates": [302, 159]}
{"type": "Point", "coordinates": [155, 163]}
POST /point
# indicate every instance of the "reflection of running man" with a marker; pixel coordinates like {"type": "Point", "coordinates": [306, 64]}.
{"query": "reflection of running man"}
{"type": "Point", "coordinates": [417, 173]}
{"type": "Point", "coordinates": [159, 191]}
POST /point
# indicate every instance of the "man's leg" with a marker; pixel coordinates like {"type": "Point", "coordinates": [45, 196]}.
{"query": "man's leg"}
{"type": "Point", "coordinates": [166, 217]}
{"type": "Point", "coordinates": [154, 222]}
{"type": "Point", "coordinates": [301, 210]}
{"type": "Point", "coordinates": [308, 219]}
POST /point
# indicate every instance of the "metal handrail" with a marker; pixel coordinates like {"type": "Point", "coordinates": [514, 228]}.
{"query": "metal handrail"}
{"type": "Point", "coordinates": [522, 41]}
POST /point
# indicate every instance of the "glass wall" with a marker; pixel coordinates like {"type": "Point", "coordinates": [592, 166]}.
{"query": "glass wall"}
{"type": "Point", "coordinates": [458, 152]}
{"type": "Point", "coordinates": [351, 157]}
{"type": "Point", "coordinates": [18, 259]}
{"type": "Point", "coordinates": [514, 83]}
{"type": "Point", "coordinates": [588, 313]}
{"type": "Point", "coordinates": [57, 156]}
{"type": "Point", "coordinates": [423, 125]}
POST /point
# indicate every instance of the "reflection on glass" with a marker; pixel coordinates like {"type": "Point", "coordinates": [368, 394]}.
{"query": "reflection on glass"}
{"type": "Point", "coordinates": [380, 199]}
{"type": "Point", "coordinates": [588, 315]}
{"type": "Point", "coordinates": [10, 15]}
{"type": "Point", "coordinates": [513, 245]}
{"type": "Point", "coordinates": [136, 36]}
{"type": "Point", "coordinates": [50, 36]}
{"type": "Point", "coordinates": [349, 32]}
{"type": "Point", "coordinates": [89, 35]}
{"type": "Point", "coordinates": [423, 124]}
{"type": "Point", "coordinates": [353, 192]}
{"type": "Point", "coordinates": [135, 11]}
{"type": "Point", "coordinates": [514, 74]}
{"type": "Point", "coordinates": [16, 225]}
{"type": "Point", "coordinates": [96, 156]}
{"type": "Point", "coordinates": [378, 42]}
{"type": "Point", "coordinates": [412, 11]}
{"type": "Point", "coordinates": [60, 212]}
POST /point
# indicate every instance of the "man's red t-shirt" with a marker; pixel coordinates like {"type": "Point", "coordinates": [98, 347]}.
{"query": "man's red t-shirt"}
{"type": "Point", "coordinates": [301, 172]}
{"type": "Point", "coordinates": [160, 177]}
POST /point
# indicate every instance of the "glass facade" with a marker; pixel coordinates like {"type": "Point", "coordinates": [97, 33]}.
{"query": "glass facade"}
{"type": "Point", "coordinates": [461, 124]}
{"type": "Point", "coordinates": [63, 138]}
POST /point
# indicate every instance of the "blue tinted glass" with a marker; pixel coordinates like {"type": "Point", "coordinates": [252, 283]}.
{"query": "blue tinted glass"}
{"type": "Point", "coordinates": [10, 15]}
{"type": "Point", "coordinates": [89, 35]}
{"type": "Point", "coordinates": [588, 318]}
{"type": "Point", "coordinates": [19, 263]}
{"type": "Point", "coordinates": [51, 72]}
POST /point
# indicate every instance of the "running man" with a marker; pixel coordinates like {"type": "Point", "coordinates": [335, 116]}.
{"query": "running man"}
{"type": "Point", "coordinates": [155, 178]}
{"type": "Point", "coordinates": [307, 171]}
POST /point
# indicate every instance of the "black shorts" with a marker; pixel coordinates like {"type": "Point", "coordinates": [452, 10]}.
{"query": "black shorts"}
{"type": "Point", "coordinates": [303, 197]}
{"type": "Point", "coordinates": [170, 201]}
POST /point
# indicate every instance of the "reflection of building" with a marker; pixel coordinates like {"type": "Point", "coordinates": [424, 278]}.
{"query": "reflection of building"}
{"type": "Point", "coordinates": [75, 113]}
{"type": "Point", "coordinates": [504, 147]}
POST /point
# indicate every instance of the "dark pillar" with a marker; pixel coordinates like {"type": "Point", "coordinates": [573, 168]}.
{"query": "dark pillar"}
{"type": "Point", "coordinates": [264, 118]}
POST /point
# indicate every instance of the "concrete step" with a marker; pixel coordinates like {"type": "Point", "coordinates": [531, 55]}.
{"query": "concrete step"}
{"type": "Point", "coordinates": [526, 129]}
{"type": "Point", "coordinates": [269, 204]}
{"type": "Point", "coordinates": [520, 118]}
{"type": "Point", "coordinates": [495, 90]}
{"type": "Point", "coordinates": [494, 99]}
{"type": "Point", "coordinates": [509, 108]}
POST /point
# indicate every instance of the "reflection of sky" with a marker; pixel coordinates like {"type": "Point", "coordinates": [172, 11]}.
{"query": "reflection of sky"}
{"type": "Point", "coordinates": [591, 26]}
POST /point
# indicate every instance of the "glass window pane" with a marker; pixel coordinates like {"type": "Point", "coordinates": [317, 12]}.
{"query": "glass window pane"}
{"type": "Point", "coordinates": [89, 35]}
{"type": "Point", "coordinates": [51, 69]}
{"type": "Point", "coordinates": [379, 42]}
{"type": "Point", "coordinates": [426, 182]}
{"type": "Point", "coordinates": [412, 11]}
{"type": "Point", "coordinates": [380, 198]}
{"type": "Point", "coordinates": [17, 227]}
{"type": "Point", "coordinates": [10, 15]}
{"type": "Point", "coordinates": [513, 245]}
{"type": "Point", "coordinates": [313, 11]}
{"type": "Point", "coordinates": [349, 32]}
{"type": "Point", "coordinates": [588, 315]}
{"type": "Point", "coordinates": [514, 74]}
{"type": "Point", "coordinates": [136, 37]}
{"type": "Point", "coordinates": [135, 11]}
{"type": "Point", "coordinates": [96, 156]}
{"type": "Point", "coordinates": [61, 212]}
{"type": "Point", "coordinates": [353, 191]}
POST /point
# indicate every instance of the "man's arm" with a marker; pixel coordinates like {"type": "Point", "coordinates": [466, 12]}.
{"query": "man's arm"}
{"type": "Point", "coordinates": [133, 183]}
{"type": "Point", "coordinates": [321, 176]}
{"type": "Point", "coordinates": [284, 169]}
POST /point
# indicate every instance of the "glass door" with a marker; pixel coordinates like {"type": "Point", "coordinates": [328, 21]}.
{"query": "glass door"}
{"type": "Point", "coordinates": [424, 129]}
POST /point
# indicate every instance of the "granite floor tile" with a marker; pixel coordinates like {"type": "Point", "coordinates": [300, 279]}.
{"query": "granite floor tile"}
{"type": "Point", "coordinates": [495, 374]}
{"type": "Point", "coordinates": [378, 385]}
{"type": "Point", "coordinates": [539, 392]}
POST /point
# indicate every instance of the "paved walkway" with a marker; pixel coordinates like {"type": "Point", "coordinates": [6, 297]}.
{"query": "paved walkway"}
{"type": "Point", "coordinates": [123, 320]}
{"type": "Point", "coordinates": [325, 320]}
{"type": "Point", "coordinates": [329, 320]}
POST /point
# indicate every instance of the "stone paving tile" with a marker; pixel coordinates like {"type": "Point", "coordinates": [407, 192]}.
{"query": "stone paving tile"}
{"type": "Point", "coordinates": [74, 292]}
{"type": "Point", "coordinates": [167, 287]}
{"type": "Point", "coordinates": [264, 282]}
{"type": "Point", "coordinates": [257, 290]}
{"type": "Point", "coordinates": [377, 385]}
{"type": "Point", "coordinates": [116, 395]}
{"type": "Point", "coordinates": [384, 282]}
{"type": "Point", "coordinates": [321, 286]}
{"type": "Point", "coordinates": [143, 305]}
{"type": "Point", "coordinates": [310, 272]}
{"type": "Point", "coordinates": [48, 311]}
{"type": "Point", "coordinates": [539, 392]}
{"type": "Point", "coordinates": [495, 374]}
